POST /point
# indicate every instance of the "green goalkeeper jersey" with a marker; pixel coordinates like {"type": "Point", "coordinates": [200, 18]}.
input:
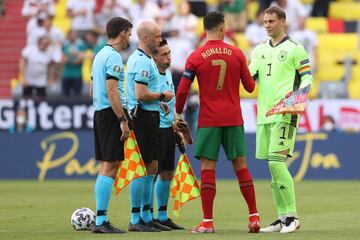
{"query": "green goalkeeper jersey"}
{"type": "Point", "coordinates": [279, 69]}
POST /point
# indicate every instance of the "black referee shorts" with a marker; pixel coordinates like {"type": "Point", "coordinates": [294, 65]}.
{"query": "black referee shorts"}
{"type": "Point", "coordinates": [107, 133]}
{"type": "Point", "coordinates": [146, 129]}
{"type": "Point", "coordinates": [166, 149]}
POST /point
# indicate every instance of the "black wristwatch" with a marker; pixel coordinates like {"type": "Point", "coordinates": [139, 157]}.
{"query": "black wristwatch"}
{"type": "Point", "coordinates": [122, 118]}
{"type": "Point", "coordinates": [162, 97]}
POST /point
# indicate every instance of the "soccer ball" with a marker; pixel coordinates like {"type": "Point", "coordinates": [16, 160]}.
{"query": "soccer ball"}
{"type": "Point", "coordinates": [83, 219]}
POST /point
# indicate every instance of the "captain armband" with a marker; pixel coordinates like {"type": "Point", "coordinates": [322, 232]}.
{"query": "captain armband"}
{"type": "Point", "coordinates": [189, 74]}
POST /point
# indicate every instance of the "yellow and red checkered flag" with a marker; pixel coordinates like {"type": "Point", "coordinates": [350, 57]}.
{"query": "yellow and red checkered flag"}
{"type": "Point", "coordinates": [133, 165]}
{"type": "Point", "coordinates": [184, 186]}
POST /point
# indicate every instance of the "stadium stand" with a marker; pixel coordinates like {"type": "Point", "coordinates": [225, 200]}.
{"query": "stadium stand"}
{"type": "Point", "coordinates": [12, 40]}
{"type": "Point", "coordinates": [351, 8]}
{"type": "Point", "coordinates": [338, 37]}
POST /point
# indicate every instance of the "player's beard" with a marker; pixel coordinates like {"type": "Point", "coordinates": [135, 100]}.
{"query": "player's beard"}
{"type": "Point", "coordinates": [166, 65]}
{"type": "Point", "coordinates": [153, 48]}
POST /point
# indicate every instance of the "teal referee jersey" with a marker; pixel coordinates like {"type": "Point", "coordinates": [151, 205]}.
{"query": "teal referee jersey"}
{"type": "Point", "coordinates": [142, 69]}
{"type": "Point", "coordinates": [166, 83]}
{"type": "Point", "coordinates": [107, 64]}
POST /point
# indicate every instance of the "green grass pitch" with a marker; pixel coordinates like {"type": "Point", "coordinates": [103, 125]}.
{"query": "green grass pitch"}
{"type": "Point", "coordinates": [33, 210]}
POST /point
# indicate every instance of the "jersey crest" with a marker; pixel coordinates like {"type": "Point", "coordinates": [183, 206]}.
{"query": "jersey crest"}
{"type": "Point", "coordinates": [282, 56]}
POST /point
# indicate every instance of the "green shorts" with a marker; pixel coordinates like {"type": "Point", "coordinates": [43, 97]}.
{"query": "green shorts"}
{"type": "Point", "coordinates": [209, 139]}
{"type": "Point", "coordinates": [273, 138]}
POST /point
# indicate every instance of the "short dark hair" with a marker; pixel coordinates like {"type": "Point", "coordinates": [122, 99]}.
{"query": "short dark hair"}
{"type": "Point", "coordinates": [280, 13]}
{"type": "Point", "coordinates": [163, 42]}
{"type": "Point", "coordinates": [116, 25]}
{"type": "Point", "coordinates": [212, 20]}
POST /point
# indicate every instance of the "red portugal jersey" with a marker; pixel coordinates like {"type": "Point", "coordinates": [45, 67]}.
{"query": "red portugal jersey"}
{"type": "Point", "coordinates": [218, 67]}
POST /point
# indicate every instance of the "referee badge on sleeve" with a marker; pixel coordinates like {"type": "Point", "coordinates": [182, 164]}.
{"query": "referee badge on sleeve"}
{"type": "Point", "coordinates": [145, 74]}
{"type": "Point", "coordinates": [116, 68]}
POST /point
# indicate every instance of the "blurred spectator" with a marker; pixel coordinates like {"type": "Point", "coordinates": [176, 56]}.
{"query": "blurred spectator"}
{"type": "Point", "coordinates": [167, 12]}
{"type": "Point", "coordinates": [106, 12]}
{"type": "Point", "coordinates": [143, 10]}
{"type": "Point", "coordinates": [198, 7]}
{"type": "Point", "coordinates": [35, 23]}
{"type": "Point", "coordinates": [21, 124]}
{"type": "Point", "coordinates": [295, 12]}
{"type": "Point", "coordinates": [329, 124]}
{"type": "Point", "coordinates": [181, 39]}
{"type": "Point", "coordinates": [94, 41]}
{"type": "Point", "coordinates": [180, 50]}
{"type": "Point", "coordinates": [309, 40]}
{"type": "Point", "coordinates": [320, 8]}
{"type": "Point", "coordinates": [81, 13]}
{"type": "Point", "coordinates": [37, 68]}
{"type": "Point", "coordinates": [46, 28]}
{"type": "Point", "coordinates": [122, 8]}
{"type": "Point", "coordinates": [98, 5]}
{"type": "Point", "coordinates": [264, 4]}
{"type": "Point", "coordinates": [235, 14]}
{"type": "Point", "coordinates": [255, 32]}
{"type": "Point", "coordinates": [32, 7]}
{"type": "Point", "coordinates": [110, 9]}
{"type": "Point", "coordinates": [73, 58]}
{"type": "Point", "coordinates": [184, 23]}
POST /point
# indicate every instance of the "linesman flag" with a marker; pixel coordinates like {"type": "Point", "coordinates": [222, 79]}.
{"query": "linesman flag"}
{"type": "Point", "coordinates": [133, 165]}
{"type": "Point", "coordinates": [184, 186]}
{"type": "Point", "coordinates": [295, 102]}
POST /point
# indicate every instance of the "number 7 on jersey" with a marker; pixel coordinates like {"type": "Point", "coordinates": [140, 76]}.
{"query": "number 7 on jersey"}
{"type": "Point", "coordinates": [223, 66]}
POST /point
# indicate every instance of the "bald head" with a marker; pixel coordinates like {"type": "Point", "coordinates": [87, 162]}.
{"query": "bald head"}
{"type": "Point", "coordinates": [146, 28]}
{"type": "Point", "coordinates": [149, 35]}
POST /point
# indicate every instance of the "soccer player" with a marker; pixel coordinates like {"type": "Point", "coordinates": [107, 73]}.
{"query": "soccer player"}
{"type": "Point", "coordinates": [219, 67]}
{"type": "Point", "coordinates": [166, 163]}
{"type": "Point", "coordinates": [110, 123]}
{"type": "Point", "coordinates": [281, 65]}
{"type": "Point", "coordinates": [143, 91]}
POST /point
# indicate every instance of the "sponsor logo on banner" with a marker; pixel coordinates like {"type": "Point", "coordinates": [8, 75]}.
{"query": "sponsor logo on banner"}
{"type": "Point", "coordinates": [70, 154]}
{"type": "Point", "coordinates": [50, 115]}
{"type": "Point", "coordinates": [64, 115]}
{"type": "Point", "coordinates": [349, 119]}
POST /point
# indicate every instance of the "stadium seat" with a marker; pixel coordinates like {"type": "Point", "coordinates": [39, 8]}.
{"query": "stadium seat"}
{"type": "Point", "coordinates": [200, 28]}
{"type": "Point", "coordinates": [245, 94]}
{"type": "Point", "coordinates": [251, 9]}
{"type": "Point", "coordinates": [336, 25]}
{"type": "Point", "coordinates": [314, 89]}
{"type": "Point", "coordinates": [346, 10]}
{"type": "Point", "coordinates": [355, 74]}
{"type": "Point", "coordinates": [86, 68]}
{"type": "Point", "coordinates": [317, 24]}
{"type": "Point", "coordinates": [344, 42]}
{"type": "Point", "coordinates": [61, 20]}
{"type": "Point", "coordinates": [243, 43]}
{"type": "Point", "coordinates": [353, 89]}
{"type": "Point", "coordinates": [332, 72]}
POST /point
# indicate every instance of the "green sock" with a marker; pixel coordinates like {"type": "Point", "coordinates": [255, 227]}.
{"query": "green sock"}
{"type": "Point", "coordinates": [285, 191]}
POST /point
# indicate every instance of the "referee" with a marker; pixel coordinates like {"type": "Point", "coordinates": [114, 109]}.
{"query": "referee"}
{"type": "Point", "coordinates": [110, 123]}
{"type": "Point", "coordinates": [144, 95]}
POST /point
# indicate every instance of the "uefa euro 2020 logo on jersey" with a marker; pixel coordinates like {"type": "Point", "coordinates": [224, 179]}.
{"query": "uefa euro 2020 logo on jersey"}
{"type": "Point", "coordinates": [282, 56]}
